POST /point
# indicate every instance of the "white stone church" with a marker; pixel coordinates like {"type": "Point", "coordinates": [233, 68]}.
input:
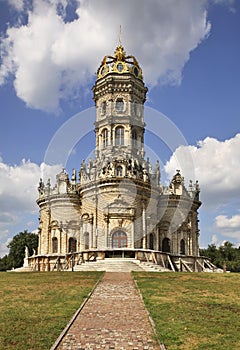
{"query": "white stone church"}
{"type": "Point", "coordinates": [115, 204]}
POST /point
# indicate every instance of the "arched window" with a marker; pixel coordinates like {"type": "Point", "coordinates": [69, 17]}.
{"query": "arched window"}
{"type": "Point", "coordinates": [166, 245]}
{"type": "Point", "coordinates": [104, 107]}
{"type": "Point", "coordinates": [105, 138]}
{"type": "Point", "coordinates": [134, 138]}
{"type": "Point", "coordinates": [151, 241]}
{"type": "Point", "coordinates": [119, 136]}
{"type": "Point", "coordinates": [86, 240]}
{"type": "Point", "coordinates": [182, 247]}
{"type": "Point", "coordinates": [119, 239]}
{"type": "Point", "coordinates": [119, 105]}
{"type": "Point", "coordinates": [72, 245]}
{"type": "Point", "coordinates": [119, 171]}
{"type": "Point", "coordinates": [54, 245]}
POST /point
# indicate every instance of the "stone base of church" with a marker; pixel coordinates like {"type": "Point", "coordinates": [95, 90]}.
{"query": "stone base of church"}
{"type": "Point", "coordinates": [67, 262]}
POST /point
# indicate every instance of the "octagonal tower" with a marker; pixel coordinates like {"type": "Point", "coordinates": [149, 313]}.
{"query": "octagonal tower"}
{"type": "Point", "coordinates": [117, 203]}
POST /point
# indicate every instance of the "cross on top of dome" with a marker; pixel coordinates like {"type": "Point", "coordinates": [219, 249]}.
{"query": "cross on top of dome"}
{"type": "Point", "coordinates": [120, 63]}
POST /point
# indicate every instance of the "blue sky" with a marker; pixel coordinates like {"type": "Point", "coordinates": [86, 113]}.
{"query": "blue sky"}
{"type": "Point", "coordinates": [189, 51]}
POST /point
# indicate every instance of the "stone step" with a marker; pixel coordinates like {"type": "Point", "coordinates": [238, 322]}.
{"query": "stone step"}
{"type": "Point", "coordinates": [21, 269]}
{"type": "Point", "coordinates": [151, 267]}
{"type": "Point", "coordinates": [109, 265]}
{"type": "Point", "coordinates": [119, 265]}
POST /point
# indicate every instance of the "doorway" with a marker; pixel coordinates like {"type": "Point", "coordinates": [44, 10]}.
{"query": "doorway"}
{"type": "Point", "coordinates": [119, 239]}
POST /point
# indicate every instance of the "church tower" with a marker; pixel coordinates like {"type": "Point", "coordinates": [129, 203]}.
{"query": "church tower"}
{"type": "Point", "coordinates": [119, 95]}
{"type": "Point", "coordinates": [116, 206]}
{"type": "Point", "coordinates": [122, 177]}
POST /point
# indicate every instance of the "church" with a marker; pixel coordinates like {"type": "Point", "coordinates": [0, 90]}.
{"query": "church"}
{"type": "Point", "coordinates": [115, 204]}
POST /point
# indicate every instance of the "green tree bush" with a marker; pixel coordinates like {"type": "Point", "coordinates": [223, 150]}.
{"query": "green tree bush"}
{"type": "Point", "coordinates": [225, 254]}
{"type": "Point", "coordinates": [17, 248]}
{"type": "Point", "coordinates": [4, 263]}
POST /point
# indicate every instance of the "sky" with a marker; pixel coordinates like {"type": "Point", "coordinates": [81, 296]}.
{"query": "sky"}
{"type": "Point", "coordinates": [189, 51]}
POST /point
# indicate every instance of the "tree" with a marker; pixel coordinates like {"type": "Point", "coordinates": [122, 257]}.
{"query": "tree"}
{"type": "Point", "coordinates": [4, 263]}
{"type": "Point", "coordinates": [227, 251]}
{"type": "Point", "coordinates": [17, 247]}
{"type": "Point", "coordinates": [211, 252]}
{"type": "Point", "coordinates": [225, 254]}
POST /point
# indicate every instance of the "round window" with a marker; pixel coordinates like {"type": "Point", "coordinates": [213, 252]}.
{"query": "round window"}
{"type": "Point", "coordinates": [136, 71]}
{"type": "Point", "coordinates": [120, 67]}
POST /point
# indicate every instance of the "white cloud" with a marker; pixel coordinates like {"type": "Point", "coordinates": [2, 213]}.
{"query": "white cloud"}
{"type": "Point", "coordinates": [17, 4]}
{"type": "Point", "coordinates": [50, 57]}
{"type": "Point", "coordinates": [216, 166]}
{"type": "Point", "coordinates": [18, 185]}
{"type": "Point", "coordinates": [3, 248]}
{"type": "Point", "coordinates": [228, 226]}
{"type": "Point", "coordinates": [230, 4]}
{"type": "Point", "coordinates": [224, 2]}
{"type": "Point", "coordinates": [18, 194]}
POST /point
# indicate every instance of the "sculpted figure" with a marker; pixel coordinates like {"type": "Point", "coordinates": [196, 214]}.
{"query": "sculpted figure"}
{"type": "Point", "coordinates": [40, 187]}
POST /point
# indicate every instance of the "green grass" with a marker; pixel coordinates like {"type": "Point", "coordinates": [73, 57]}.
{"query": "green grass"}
{"type": "Point", "coordinates": [193, 311]}
{"type": "Point", "coordinates": [35, 307]}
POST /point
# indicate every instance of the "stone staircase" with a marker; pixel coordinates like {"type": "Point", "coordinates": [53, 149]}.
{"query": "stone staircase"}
{"type": "Point", "coordinates": [118, 265]}
{"type": "Point", "coordinates": [111, 265]}
{"type": "Point", "coordinates": [21, 269]}
{"type": "Point", "coordinates": [151, 267]}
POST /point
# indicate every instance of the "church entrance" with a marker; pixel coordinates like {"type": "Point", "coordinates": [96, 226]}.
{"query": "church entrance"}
{"type": "Point", "coordinates": [72, 245]}
{"type": "Point", "coordinates": [119, 239]}
{"type": "Point", "coordinates": [166, 245]}
{"type": "Point", "coordinates": [151, 241]}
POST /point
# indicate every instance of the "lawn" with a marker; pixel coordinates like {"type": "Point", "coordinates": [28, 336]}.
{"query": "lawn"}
{"type": "Point", "coordinates": [193, 311]}
{"type": "Point", "coordinates": [35, 307]}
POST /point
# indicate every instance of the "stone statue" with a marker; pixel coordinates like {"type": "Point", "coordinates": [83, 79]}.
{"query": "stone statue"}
{"type": "Point", "coordinates": [145, 175]}
{"type": "Point", "coordinates": [48, 186]}
{"type": "Point", "coordinates": [197, 186]}
{"type": "Point", "coordinates": [83, 171]}
{"type": "Point", "coordinates": [25, 261]}
{"type": "Point", "coordinates": [26, 252]}
{"type": "Point", "coordinates": [90, 164]}
{"type": "Point", "coordinates": [74, 176]}
{"type": "Point", "coordinates": [41, 187]}
{"type": "Point", "coordinates": [149, 166]}
{"type": "Point", "coordinates": [157, 172]}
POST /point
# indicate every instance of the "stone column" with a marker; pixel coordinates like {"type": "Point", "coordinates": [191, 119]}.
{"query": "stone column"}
{"type": "Point", "coordinates": [157, 239]}
{"type": "Point", "coordinates": [60, 241]}
{"type": "Point", "coordinates": [48, 240]}
{"type": "Point", "coordinates": [144, 226]}
{"type": "Point", "coordinates": [91, 232]}
{"type": "Point", "coordinates": [95, 232]}
{"type": "Point", "coordinates": [66, 242]}
{"type": "Point", "coordinates": [127, 137]}
{"type": "Point", "coordinates": [133, 230]}
{"type": "Point", "coordinates": [40, 241]}
{"type": "Point", "coordinates": [107, 233]}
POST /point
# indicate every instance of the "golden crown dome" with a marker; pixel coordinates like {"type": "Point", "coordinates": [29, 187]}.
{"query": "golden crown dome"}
{"type": "Point", "coordinates": [119, 63]}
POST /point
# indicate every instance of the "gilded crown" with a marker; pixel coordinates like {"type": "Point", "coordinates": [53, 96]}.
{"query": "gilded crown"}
{"type": "Point", "coordinates": [120, 64]}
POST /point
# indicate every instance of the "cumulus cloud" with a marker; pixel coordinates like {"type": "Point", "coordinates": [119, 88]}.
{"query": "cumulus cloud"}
{"type": "Point", "coordinates": [3, 248]}
{"type": "Point", "coordinates": [230, 4]}
{"type": "Point", "coordinates": [18, 186]}
{"type": "Point", "coordinates": [18, 194]}
{"type": "Point", "coordinates": [216, 166]}
{"type": "Point", "coordinates": [50, 56]}
{"type": "Point", "coordinates": [17, 4]}
{"type": "Point", "coordinates": [228, 226]}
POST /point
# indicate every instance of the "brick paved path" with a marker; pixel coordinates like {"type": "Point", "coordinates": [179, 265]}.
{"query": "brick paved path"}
{"type": "Point", "coordinates": [113, 318]}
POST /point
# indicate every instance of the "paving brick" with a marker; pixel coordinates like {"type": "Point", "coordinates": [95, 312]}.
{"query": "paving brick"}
{"type": "Point", "coordinates": [113, 318]}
